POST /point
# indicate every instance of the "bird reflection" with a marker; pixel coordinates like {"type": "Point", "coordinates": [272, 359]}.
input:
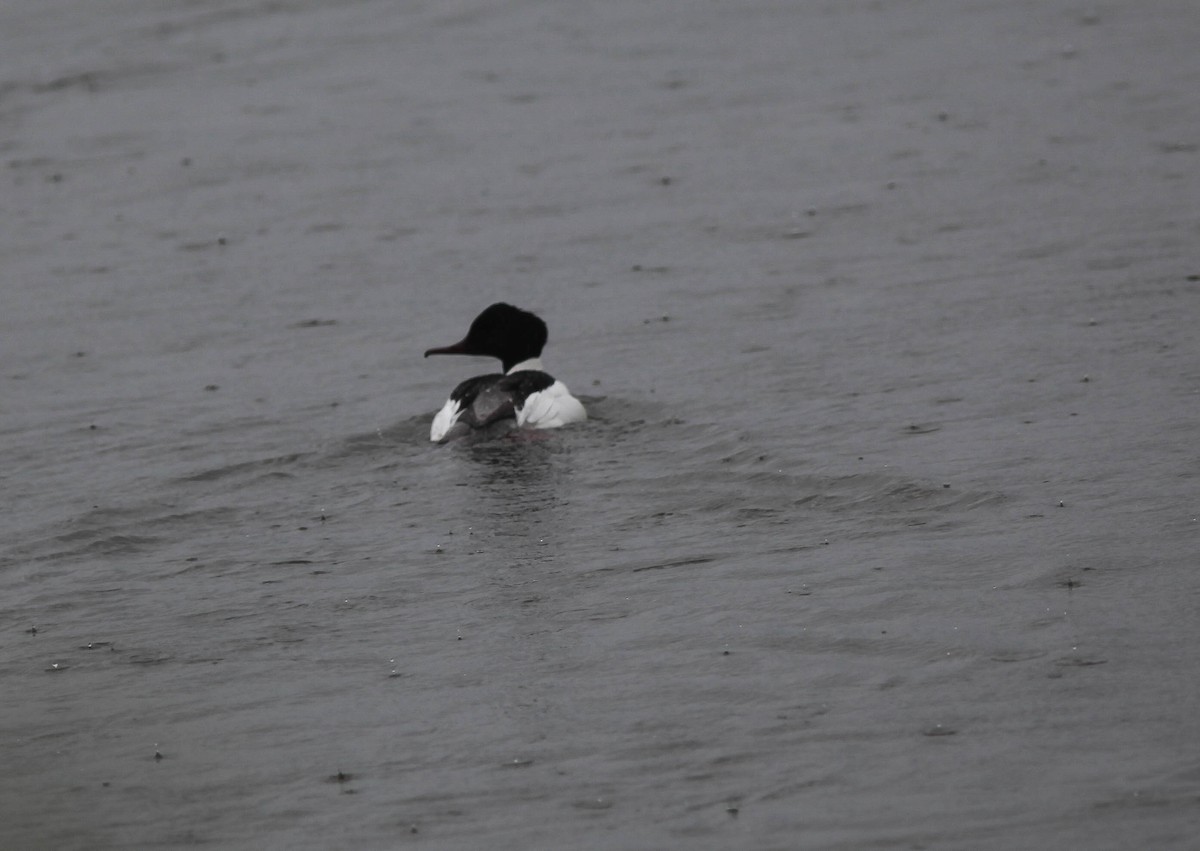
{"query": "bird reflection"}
{"type": "Point", "coordinates": [515, 491]}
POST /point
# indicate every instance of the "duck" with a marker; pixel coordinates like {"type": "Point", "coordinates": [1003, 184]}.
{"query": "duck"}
{"type": "Point", "coordinates": [523, 396]}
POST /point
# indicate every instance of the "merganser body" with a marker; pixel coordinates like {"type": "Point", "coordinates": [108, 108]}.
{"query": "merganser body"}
{"type": "Point", "coordinates": [523, 396]}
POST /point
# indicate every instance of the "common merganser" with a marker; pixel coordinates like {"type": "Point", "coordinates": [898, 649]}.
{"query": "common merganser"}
{"type": "Point", "coordinates": [524, 396]}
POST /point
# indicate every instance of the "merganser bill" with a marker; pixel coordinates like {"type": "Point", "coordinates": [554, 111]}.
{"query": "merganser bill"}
{"type": "Point", "coordinates": [524, 396]}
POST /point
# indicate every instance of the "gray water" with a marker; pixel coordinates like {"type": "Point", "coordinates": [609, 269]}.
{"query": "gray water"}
{"type": "Point", "coordinates": [882, 533]}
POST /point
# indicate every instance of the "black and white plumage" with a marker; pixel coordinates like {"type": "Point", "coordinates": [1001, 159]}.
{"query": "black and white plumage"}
{"type": "Point", "coordinates": [523, 396]}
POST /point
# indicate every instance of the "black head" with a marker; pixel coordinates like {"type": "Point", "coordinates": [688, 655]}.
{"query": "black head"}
{"type": "Point", "coordinates": [501, 331]}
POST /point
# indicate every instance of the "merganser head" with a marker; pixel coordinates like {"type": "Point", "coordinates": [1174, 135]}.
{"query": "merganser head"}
{"type": "Point", "coordinates": [501, 331]}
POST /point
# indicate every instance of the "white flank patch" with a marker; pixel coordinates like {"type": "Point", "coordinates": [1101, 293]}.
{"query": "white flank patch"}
{"type": "Point", "coordinates": [445, 420]}
{"type": "Point", "coordinates": [551, 408]}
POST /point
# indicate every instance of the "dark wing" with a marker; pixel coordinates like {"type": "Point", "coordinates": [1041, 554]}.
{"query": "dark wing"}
{"type": "Point", "coordinates": [484, 401]}
{"type": "Point", "coordinates": [521, 385]}
{"type": "Point", "coordinates": [486, 406]}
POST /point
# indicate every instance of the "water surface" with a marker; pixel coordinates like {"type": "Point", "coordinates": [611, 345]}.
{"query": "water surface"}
{"type": "Point", "coordinates": [882, 531]}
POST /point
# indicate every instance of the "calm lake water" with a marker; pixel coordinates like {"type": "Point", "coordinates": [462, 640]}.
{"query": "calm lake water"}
{"type": "Point", "coordinates": [882, 532]}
